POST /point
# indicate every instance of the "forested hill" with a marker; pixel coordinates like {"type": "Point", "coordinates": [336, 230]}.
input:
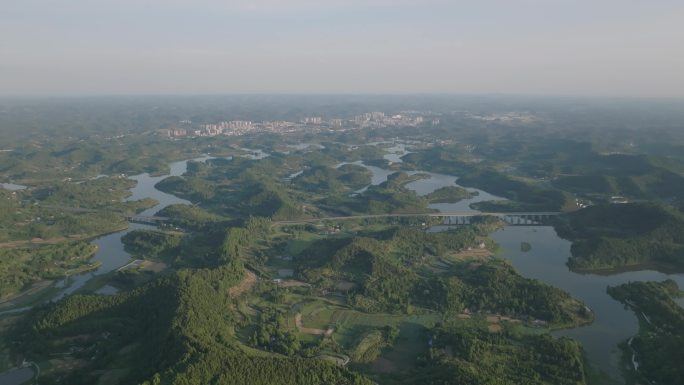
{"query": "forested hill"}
{"type": "Point", "coordinates": [181, 331]}
{"type": "Point", "coordinates": [625, 235]}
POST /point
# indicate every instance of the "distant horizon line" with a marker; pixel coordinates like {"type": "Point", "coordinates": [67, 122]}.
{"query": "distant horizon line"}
{"type": "Point", "coordinates": [338, 94]}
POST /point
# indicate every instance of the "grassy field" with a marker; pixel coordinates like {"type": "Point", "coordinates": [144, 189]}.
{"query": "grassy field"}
{"type": "Point", "coordinates": [402, 355]}
{"type": "Point", "coordinates": [355, 332]}
{"type": "Point", "coordinates": [349, 323]}
{"type": "Point", "coordinates": [317, 313]}
{"type": "Point", "coordinates": [296, 246]}
{"type": "Point", "coordinates": [358, 334]}
{"type": "Point", "coordinates": [96, 283]}
{"type": "Point", "coordinates": [369, 347]}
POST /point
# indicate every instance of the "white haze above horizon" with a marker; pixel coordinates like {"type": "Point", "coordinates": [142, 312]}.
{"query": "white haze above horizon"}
{"type": "Point", "coordinates": [535, 47]}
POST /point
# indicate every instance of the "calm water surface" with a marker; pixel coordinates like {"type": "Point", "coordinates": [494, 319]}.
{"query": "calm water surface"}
{"type": "Point", "coordinates": [546, 261]}
{"type": "Point", "coordinates": [425, 186]}
{"type": "Point", "coordinates": [12, 186]}
{"type": "Point", "coordinates": [16, 376]}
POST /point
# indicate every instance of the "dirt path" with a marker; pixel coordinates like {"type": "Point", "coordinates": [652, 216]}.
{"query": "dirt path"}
{"type": "Point", "coordinates": [316, 332]}
{"type": "Point", "coordinates": [246, 284]}
{"type": "Point", "coordinates": [293, 283]}
{"type": "Point", "coordinates": [39, 241]}
{"type": "Point", "coordinates": [473, 254]}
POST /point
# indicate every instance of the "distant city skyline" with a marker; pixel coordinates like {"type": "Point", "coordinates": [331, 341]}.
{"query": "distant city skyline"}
{"type": "Point", "coordinates": [530, 47]}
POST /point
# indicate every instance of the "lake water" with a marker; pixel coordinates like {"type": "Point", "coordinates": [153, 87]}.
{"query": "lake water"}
{"type": "Point", "coordinates": [680, 301]}
{"type": "Point", "coordinates": [395, 152]}
{"type": "Point", "coordinates": [12, 186]}
{"type": "Point", "coordinates": [378, 175]}
{"type": "Point", "coordinates": [546, 261]}
{"type": "Point", "coordinates": [425, 186]}
{"type": "Point", "coordinates": [305, 146]}
{"type": "Point", "coordinates": [145, 187]}
{"type": "Point", "coordinates": [110, 252]}
{"type": "Point", "coordinates": [16, 376]}
{"type": "Point", "coordinates": [254, 154]}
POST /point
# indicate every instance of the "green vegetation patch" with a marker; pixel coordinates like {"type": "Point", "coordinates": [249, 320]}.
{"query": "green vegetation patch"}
{"type": "Point", "coordinates": [469, 354]}
{"type": "Point", "coordinates": [152, 244]}
{"type": "Point", "coordinates": [333, 180]}
{"type": "Point", "coordinates": [190, 217]}
{"type": "Point", "coordinates": [655, 354]}
{"type": "Point", "coordinates": [450, 194]}
{"type": "Point", "coordinates": [624, 235]}
{"type": "Point", "coordinates": [372, 343]}
{"type": "Point", "coordinates": [20, 267]}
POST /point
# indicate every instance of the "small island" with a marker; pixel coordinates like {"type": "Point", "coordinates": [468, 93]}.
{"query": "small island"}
{"type": "Point", "coordinates": [450, 194]}
{"type": "Point", "coordinates": [525, 247]}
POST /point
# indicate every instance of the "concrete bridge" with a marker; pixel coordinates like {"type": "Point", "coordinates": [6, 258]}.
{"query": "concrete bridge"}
{"type": "Point", "coordinates": [147, 220]}
{"type": "Point", "coordinates": [453, 218]}
{"type": "Point", "coordinates": [514, 219]}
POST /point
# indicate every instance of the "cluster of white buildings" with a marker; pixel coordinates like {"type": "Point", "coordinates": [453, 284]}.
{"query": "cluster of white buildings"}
{"type": "Point", "coordinates": [505, 117]}
{"type": "Point", "coordinates": [310, 123]}
{"type": "Point", "coordinates": [315, 120]}
{"type": "Point", "coordinates": [243, 127]}
{"type": "Point", "coordinates": [236, 127]}
{"type": "Point", "coordinates": [379, 119]}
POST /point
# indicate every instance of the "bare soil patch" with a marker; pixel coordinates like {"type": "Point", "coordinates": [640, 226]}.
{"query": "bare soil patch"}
{"type": "Point", "coordinates": [246, 284]}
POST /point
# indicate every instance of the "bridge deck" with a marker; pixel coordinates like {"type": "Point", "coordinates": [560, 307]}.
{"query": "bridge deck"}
{"type": "Point", "coordinates": [438, 215]}
{"type": "Point", "coordinates": [143, 218]}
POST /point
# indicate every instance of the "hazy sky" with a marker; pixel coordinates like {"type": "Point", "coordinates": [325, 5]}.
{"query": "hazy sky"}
{"type": "Point", "coordinates": [591, 47]}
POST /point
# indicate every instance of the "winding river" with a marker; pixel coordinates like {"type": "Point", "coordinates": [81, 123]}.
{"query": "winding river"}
{"type": "Point", "coordinates": [110, 251]}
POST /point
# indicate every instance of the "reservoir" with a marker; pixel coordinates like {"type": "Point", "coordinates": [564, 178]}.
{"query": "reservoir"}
{"type": "Point", "coordinates": [16, 376]}
{"type": "Point", "coordinates": [546, 261]}
{"type": "Point", "coordinates": [111, 253]}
